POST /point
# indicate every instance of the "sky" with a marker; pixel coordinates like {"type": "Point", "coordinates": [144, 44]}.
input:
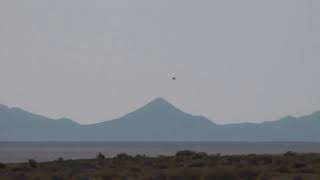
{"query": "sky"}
{"type": "Point", "coordinates": [96, 60]}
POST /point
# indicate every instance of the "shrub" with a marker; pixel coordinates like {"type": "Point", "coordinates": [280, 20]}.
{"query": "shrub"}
{"type": "Point", "coordinates": [60, 160]}
{"type": "Point", "coordinates": [308, 170]}
{"type": "Point", "coordinates": [100, 156]}
{"type": "Point", "coordinates": [139, 157]}
{"type": "Point", "coordinates": [234, 159]}
{"type": "Point", "coordinates": [198, 163]}
{"type": "Point", "coordinates": [162, 166]}
{"type": "Point", "coordinates": [185, 174]}
{"type": "Point", "coordinates": [299, 165]}
{"type": "Point", "coordinates": [147, 162]}
{"type": "Point", "coordinates": [2, 166]}
{"type": "Point", "coordinates": [83, 178]}
{"type": "Point", "coordinates": [109, 175]}
{"type": "Point", "coordinates": [185, 153]}
{"type": "Point", "coordinates": [192, 154]}
{"type": "Point", "coordinates": [123, 156]}
{"type": "Point", "coordinates": [20, 177]}
{"type": "Point", "coordinates": [21, 168]}
{"type": "Point", "coordinates": [200, 155]}
{"type": "Point", "coordinates": [247, 173]}
{"type": "Point", "coordinates": [56, 177]}
{"type": "Point", "coordinates": [267, 160]}
{"type": "Point", "coordinates": [265, 177]}
{"type": "Point", "coordinates": [297, 178]}
{"type": "Point", "coordinates": [135, 169]}
{"type": "Point", "coordinates": [32, 163]}
{"type": "Point", "coordinates": [283, 169]}
{"type": "Point", "coordinates": [220, 174]}
{"type": "Point", "coordinates": [290, 154]}
{"type": "Point", "coordinates": [159, 176]}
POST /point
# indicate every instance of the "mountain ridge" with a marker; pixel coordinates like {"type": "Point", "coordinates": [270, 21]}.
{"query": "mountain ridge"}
{"type": "Point", "coordinates": [158, 120]}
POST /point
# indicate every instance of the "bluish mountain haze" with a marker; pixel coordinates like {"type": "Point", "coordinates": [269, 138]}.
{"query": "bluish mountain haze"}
{"type": "Point", "coordinates": [157, 121]}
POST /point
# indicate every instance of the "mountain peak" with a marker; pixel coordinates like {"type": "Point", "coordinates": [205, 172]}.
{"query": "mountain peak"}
{"type": "Point", "coordinates": [3, 106]}
{"type": "Point", "coordinates": [160, 103]}
{"type": "Point", "coordinates": [157, 107]}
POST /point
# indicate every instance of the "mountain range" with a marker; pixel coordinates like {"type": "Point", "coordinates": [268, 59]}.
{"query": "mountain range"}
{"type": "Point", "coordinates": [159, 120]}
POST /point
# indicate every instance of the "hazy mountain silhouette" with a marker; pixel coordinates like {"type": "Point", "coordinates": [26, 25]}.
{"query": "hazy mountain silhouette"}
{"type": "Point", "coordinates": [157, 121]}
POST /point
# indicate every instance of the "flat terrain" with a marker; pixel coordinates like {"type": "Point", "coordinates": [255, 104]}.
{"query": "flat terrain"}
{"type": "Point", "coordinates": [184, 165]}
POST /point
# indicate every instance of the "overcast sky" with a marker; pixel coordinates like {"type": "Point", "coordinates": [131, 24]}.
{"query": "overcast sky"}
{"type": "Point", "coordinates": [95, 60]}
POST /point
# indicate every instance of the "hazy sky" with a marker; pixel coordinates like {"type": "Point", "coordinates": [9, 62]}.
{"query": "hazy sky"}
{"type": "Point", "coordinates": [95, 60]}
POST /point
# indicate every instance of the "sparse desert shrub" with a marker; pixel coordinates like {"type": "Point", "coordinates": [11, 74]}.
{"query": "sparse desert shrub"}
{"type": "Point", "coordinates": [198, 163]}
{"type": "Point", "coordinates": [178, 167]}
{"type": "Point", "coordinates": [147, 178]}
{"type": "Point", "coordinates": [185, 174]}
{"type": "Point", "coordinates": [297, 178]}
{"type": "Point", "coordinates": [100, 156]}
{"type": "Point", "coordinates": [199, 155]}
{"type": "Point", "coordinates": [234, 159]}
{"type": "Point", "coordinates": [140, 157]}
{"type": "Point", "coordinates": [191, 154]}
{"type": "Point", "coordinates": [21, 168]}
{"type": "Point", "coordinates": [60, 160]}
{"type": "Point", "coordinates": [32, 163]}
{"type": "Point", "coordinates": [214, 158]}
{"type": "Point", "coordinates": [160, 176]}
{"type": "Point", "coordinates": [247, 173]}
{"type": "Point", "coordinates": [299, 165]}
{"type": "Point", "coordinates": [290, 154]}
{"type": "Point", "coordinates": [265, 177]}
{"type": "Point", "coordinates": [267, 160]}
{"type": "Point", "coordinates": [220, 174]}
{"type": "Point", "coordinates": [20, 177]}
{"type": "Point", "coordinates": [283, 169]}
{"type": "Point", "coordinates": [253, 161]}
{"type": "Point", "coordinates": [57, 177]}
{"type": "Point", "coordinates": [162, 166]}
{"type": "Point", "coordinates": [110, 176]}
{"type": "Point", "coordinates": [83, 178]}
{"type": "Point", "coordinates": [185, 153]}
{"type": "Point", "coordinates": [308, 170]}
{"type": "Point", "coordinates": [135, 169]}
{"type": "Point", "coordinates": [123, 156]}
{"type": "Point", "coordinates": [2, 166]}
